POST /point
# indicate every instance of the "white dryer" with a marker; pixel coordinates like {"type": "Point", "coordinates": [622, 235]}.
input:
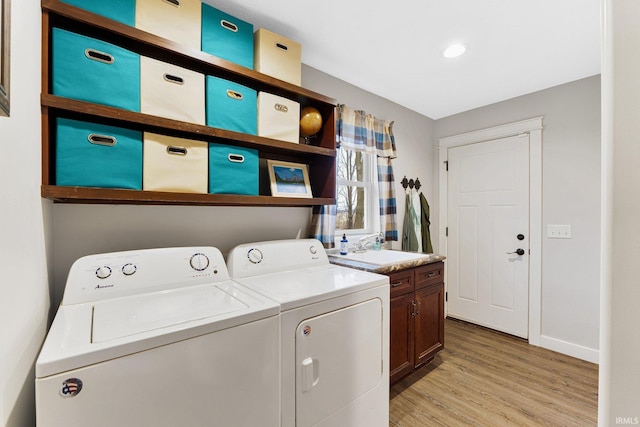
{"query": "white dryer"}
{"type": "Point", "coordinates": [159, 337]}
{"type": "Point", "coordinates": [334, 332]}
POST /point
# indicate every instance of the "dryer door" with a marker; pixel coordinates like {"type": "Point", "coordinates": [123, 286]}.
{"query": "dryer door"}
{"type": "Point", "coordinates": [338, 359]}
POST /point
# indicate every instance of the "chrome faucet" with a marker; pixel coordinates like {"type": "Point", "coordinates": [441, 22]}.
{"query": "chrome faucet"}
{"type": "Point", "coordinates": [361, 245]}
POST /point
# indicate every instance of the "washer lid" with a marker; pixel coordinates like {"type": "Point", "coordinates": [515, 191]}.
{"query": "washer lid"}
{"type": "Point", "coordinates": [123, 317]}
{"type": "Point", "coordinates": [86, 334]}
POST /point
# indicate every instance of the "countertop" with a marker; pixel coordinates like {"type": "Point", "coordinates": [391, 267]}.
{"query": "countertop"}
{"type": "Point", "coordinates": [386, 269]}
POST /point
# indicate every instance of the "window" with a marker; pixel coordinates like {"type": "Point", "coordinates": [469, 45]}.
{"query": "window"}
{"type": "Point", "coordinates": [356, 199]}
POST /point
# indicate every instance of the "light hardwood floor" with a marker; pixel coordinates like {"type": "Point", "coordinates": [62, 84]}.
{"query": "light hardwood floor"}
{"type": "Point", "coordinates": [490, 379]}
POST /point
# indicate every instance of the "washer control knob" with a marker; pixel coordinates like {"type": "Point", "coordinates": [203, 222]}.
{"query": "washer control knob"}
{"type": "Point", "coordinates": [199, 261]}
{"type": "Point", "coordinates": [129, 269]}
{"type": "Point", "coordinates": [103, 272]}
{"type": "Point", "coordinates": [255, 256]}
{"type": "Point", "coordinates": [313, 250]}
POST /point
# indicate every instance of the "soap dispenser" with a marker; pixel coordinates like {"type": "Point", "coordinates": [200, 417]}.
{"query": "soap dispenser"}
{"type": "Point", "coordinates": [343, 245]}
{"type": "Point", "coordinates": [377, 245]}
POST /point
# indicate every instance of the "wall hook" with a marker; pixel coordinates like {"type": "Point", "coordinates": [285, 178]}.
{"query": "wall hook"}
{"type": "Point", "coordinates": [404, 182]}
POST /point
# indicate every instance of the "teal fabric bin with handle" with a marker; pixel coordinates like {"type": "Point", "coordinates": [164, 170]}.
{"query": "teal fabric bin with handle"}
{"type": "Point", "coordinates": [96, 155]}
{"type": "Point", "coordinates": [231, 106]}
{"type": "Point", "coordinates": [233, 170]}
{"type": "Point", "coordinates": [123, 11]}
{"type": "Point", "coordinates": [95, 71]}
{"type": "Point", "coordinates": [226, 36]}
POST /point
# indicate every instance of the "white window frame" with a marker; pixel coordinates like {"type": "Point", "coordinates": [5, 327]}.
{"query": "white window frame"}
{"type": "Point", "coordinates": [370, 185]}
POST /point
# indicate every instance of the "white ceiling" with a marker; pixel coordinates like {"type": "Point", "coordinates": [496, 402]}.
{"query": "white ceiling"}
{"type": "Point", "coordinates": [393, 48]}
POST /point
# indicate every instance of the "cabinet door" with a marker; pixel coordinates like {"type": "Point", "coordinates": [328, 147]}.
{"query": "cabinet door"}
{"type": "Point", "coordinates": [429, 322]}
{"type": "Point", "coordinates": [401, 337]}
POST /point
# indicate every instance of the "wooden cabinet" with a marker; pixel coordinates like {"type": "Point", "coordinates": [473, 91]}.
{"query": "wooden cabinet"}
{"type": "Point", "coordinates": [417, 318]}
{"type": "Point", "coordinates": [319, 155]}
{"type": "Point", "coordinates": [402, 321]}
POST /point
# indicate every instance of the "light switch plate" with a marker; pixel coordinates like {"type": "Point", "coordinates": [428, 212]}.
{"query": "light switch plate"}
{"type": "Point", "coordinates": [558, 231]}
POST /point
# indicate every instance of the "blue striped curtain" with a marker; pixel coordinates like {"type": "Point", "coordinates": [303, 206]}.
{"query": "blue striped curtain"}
{"type": "Point", "coordinates": [359, 131]}
{"type": "Point", "coordinates": [385, 144]}
{"type": "Point", "coordinates": [323, 224]}
{"type": "Point", "coordinates": [387, 199]}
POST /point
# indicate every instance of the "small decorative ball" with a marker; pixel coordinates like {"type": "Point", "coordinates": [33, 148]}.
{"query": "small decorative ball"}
{"type": "Point", "coordinates": [310, 121]}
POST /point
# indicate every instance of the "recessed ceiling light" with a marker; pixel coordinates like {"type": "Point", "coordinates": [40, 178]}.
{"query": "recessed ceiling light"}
{"type": "Point", "coordinates": [454, 50]}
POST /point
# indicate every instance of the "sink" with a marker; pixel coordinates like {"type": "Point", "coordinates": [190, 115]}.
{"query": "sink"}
{"type": "Point", "coordinates": [382, 258]}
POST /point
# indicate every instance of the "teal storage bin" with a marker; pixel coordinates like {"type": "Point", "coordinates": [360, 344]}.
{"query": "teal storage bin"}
{"type": "Point", "coordinates": [118, 10]}
{"type": "Point", "coordinates": [227, 37]}
{"type": "Point", "coordinates": [231, 106]}
{"type": "Point", "coordinates": [95, 155]}
{"type": "Point", "coordinates": [233, 170]}
{"type": "Point", "coordinates": [95, 71]}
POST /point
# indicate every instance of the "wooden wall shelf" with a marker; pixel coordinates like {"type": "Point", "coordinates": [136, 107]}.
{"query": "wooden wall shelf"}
{"type": "Point", "coordinates": [320, 155]}
{"type": "Point", "coordinates": [91, 195]}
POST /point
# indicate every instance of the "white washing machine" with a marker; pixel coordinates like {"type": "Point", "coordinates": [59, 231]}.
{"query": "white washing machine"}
{"type": "Point", "coordinates": [159, 337]}
{"type": "Point", "coordinates": [334, 332]}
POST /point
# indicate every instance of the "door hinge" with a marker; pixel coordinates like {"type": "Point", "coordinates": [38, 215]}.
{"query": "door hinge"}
{"type": "Point", "coordinates": [446, 296]}
{"type": "Point", "coordinates": [446, 232]}
{"type": "Point", "coordinates": [446, 165]}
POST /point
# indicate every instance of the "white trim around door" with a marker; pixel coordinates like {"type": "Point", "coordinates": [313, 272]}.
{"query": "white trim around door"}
{"type": "Point", "coordinates": [534, 128]}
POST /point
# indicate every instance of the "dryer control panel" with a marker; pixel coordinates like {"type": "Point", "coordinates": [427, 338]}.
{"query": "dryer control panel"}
{"type": "Point", "coordinates": [252, 259]}
{"type": "Point", "coordinates": [116, 274]}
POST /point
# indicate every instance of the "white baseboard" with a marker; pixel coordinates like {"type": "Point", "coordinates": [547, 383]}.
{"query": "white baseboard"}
{"type": "Point", "coordinates": [570, 349]}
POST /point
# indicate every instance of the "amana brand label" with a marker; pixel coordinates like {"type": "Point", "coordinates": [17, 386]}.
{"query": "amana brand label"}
{"type": "Point", "coordinates": [71, 387]}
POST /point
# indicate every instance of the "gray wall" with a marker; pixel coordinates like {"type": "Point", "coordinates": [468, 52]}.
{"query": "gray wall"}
{"type": "Point", "coordinates": [80, 230]}
{"type": "Point", "coordinates": [570, 195]}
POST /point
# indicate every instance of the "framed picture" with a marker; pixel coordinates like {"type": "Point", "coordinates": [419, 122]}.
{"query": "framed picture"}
{"type": "Point", "coordinates": [289, 179]}
{"type": "Point", "coordinates": [5, 14]}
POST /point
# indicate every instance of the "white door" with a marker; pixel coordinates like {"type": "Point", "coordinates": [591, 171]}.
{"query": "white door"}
{"type": "Point", "coordinates": [488, 221]}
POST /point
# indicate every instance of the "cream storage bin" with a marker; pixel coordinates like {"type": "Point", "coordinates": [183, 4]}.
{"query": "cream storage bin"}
{"type": "Point", "coordinates": [278, 117]}
{"type": "Point", "coordinates": [174, 164]}
{"type": "Point", "coordinates": [175, 20]}
{"type": "Point", "coordinates": [277, 56]}
{"type": "Point", "coordinates": [171, 91]}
